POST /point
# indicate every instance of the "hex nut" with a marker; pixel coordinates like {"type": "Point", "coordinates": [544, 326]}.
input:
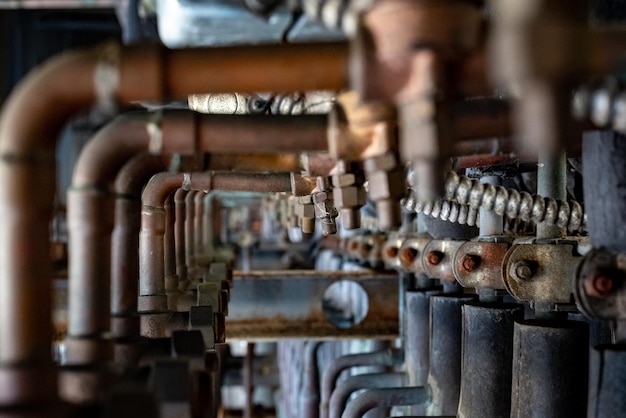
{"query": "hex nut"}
{"type": "Point", "coordinates": [386, 185]}
{"type": "Point", "coordinates": [349, 197]}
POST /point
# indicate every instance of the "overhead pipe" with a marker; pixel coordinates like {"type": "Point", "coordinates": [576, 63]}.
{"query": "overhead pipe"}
{"type": "Point", "coordinates": [29, 125]}
{"type": "Point", "coordinates": [388, 357]}
{"type": "Point", "coordinates": [152, 299]}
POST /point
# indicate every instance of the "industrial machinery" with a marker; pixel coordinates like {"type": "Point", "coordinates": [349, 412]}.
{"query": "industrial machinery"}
{"type": "Point", "coordinates": [312, 208]}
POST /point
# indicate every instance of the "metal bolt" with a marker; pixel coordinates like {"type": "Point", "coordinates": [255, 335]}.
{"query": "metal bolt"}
{"type": "Point", "coordinates": [434, 257]}
{"type": "Point", "coordinates": [599, 285]}
{"type": "Point", "coordinates": [470, 262]}
{"type": "Point", "coordinates": [408, 256]}
{"type": "Point", "coordinates": [523, 270]}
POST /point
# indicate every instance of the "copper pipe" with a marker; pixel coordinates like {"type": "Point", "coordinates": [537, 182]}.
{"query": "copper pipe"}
{"type": "Point", "coordinates": [198, 226]}
{"type": "Point", "coordinates": [29, 125]}
{"type": "Point", "coordinates": [125, 241]}
{"type": "Point", "coordinates": [179, 235]}
{"type": "Point", "coordinates": [190, 232]}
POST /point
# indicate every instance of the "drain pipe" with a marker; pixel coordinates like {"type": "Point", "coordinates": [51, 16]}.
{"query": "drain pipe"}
{"type": "Point", "coordinates": [388, 357]}
{"type": "Point", "coordinates": [152, 299]}
{"type": "Point", "coordinates": [29, 125]}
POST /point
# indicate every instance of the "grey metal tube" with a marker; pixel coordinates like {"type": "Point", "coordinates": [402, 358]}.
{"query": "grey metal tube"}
{"type": "Point", "coordinates": [374, 398]}
{"type": "Point", "coordinates": [444, 376]}
{"type": "Point", "coordinates": [607, 381]}
{"type": "Point", "coordinates": [487, 359]}
{"type": "Point", "coordinates": [417, 339]}
{"type": "Point", "coordinates": [310, 394]}
{"type": "Point", "coordinates": [550, 369]}
{"type": "Point", "coordinates": [551, 182]}
{"type": "Point", "coordinates": [341, 394]}
{"type": "Point", "coordinates": [387, 357]}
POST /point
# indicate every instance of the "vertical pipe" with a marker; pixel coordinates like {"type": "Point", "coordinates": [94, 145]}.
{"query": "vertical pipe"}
{"type": "Point", "coordinates": [199, 227]}
{"type": "Point", "coordinates": [248, 380]}
{"type": "Point", "coordinates": [487, 357]}
{"type": "Point", "coordinates": [444, 377]}
{"type": "Point", "coordinates": [190, 255]}
{"type": "Point", "coordinates": [169, 248]}
{"type": "Point", "coordinates": [607, 381]}
{"type": "Point", "coordinates": [179, 235]}
{"type": "Point", "coordinates": [417, 340]}
{"type": "Point", "coordinates": [550, 369]}
{"type": "Point", "coordinates": [551, 182]}
{"type": "Point", "coordinates": [310, 394]}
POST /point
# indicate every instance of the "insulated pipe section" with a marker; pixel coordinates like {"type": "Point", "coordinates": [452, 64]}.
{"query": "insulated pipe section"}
{"type": "Point", "coordinates": [29, 125]}
{"type": "Point", "coordinates": [387, 397]}
{"type": "Point", "coordinates": [444, 377]}
{"type": "Point", "coordinates": [550, 369]}
{"type": "Point", "coordinates": [388, 357]}
{"type": "Point", "coordinates": [607, 381]}
{"type": "Point", "coordinates": [487, 359]}
{"type": "Point", "coordinates": [341, 394]}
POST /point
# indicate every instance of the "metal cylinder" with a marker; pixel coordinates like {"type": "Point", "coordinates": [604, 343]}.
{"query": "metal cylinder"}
{"type": "Point", "coordinates": [487, 355]}
{"type": "Point", "coordinates": [444, 376]}
{"type": "Point", "coordinates": [607, 381]}
{"type": "Point", "coordinates": [604, 153]}
{"type": "Point", "coordinates": [550, 369]}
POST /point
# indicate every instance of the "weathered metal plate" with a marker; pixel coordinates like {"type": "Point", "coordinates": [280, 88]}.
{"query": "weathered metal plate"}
{"type": "Point", "coordinates": [488, 272]}
{"type": "Point", "coordinates": [446, 249]}
{"type": "Point", "coordinates": [270, 305]}
{"type": "Point", "coordinates": [553, 278]}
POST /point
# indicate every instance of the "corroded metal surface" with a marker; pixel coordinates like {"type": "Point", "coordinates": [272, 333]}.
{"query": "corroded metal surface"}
{"type": "Point", "coordinates": [288, 304]}
{"type": "Point", "coordinates": [479, 264]}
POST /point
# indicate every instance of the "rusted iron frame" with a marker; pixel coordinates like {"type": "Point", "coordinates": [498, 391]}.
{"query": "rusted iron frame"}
{"type": "Point", "coordinates": [342, 392]}
{"type": "Point", "coordinates": [388, 357]}
{"type": "Point", "coordinates": [29, 125]}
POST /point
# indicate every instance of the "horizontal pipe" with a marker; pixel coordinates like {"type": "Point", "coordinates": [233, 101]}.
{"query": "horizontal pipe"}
{"type": "Point", "coordinates": [387, 357]}
{"type": "Point", "coordinates": [341, 394]}
{"type": "Point", "coordinates": [388, 397]}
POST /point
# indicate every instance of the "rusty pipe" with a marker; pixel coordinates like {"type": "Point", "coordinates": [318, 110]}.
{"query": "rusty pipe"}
{"type": "Point", "coordinates": [125, 241]}
{"type": "Point", "coordinates": [388, 357]}
{"type": "Point", "coordinates": [179, 235]}
{"type": "Point", "coordinates": [190, 233]}
{"type": "Point", "coordinates": [29, 125]}
{"type": "Point", "coordinates": [198, 227]}
{"type": "Point", "coordinates": [151, 241]}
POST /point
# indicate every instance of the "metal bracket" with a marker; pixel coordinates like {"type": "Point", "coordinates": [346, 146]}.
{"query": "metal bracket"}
{"type": "Point", "coordinates": [479, 264]}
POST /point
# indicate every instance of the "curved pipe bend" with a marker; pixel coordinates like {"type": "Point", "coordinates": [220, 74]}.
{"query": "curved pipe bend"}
{"type": "Point", "coordinates": [387, 397]}
{"type": "Point", "coordinates": [340, 396]}
{"type": "Point", "coordinates": [388, 357]}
